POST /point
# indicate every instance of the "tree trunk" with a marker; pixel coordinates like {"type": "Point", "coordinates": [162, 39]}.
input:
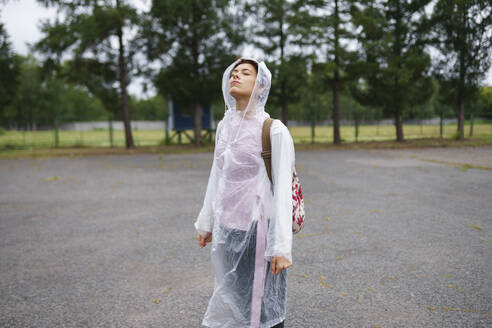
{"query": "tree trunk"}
{"type": "Point", "coordinates": [336, 81]}
{"type": "Point", "coordinates": [198, 124]}
{"type": "Point", "coordinates": [441, 127]}
{"type": "Point", "coordinates": [461, 87]}
{"type": "Point", "coordinates": [471, 126]}
{"type": "Point", "coordinates": [461, 119]}
{"type": "Point", "coordinates": [398, 126]}
{"type": "Point", "coordinates": [110, 126]}
{"type": "Point", "coordinates": [336, 111]}
{"type": "Point", "coordinates": [57, 131]}
{"type": "Point", "coordinates": [283, 85]}
{"type": "Point", "coordinates": [124, 95]}
{"type": "Point", "coordinates": [195, 53]}
{"type": "Point", "coordinates": [284, 103]}
{"type": "Point", "coordinates": [356, 122]}
{"type": "Point", "coordinates": [313, 126]}
{"type": "Point", "coordinates": [396, 93]}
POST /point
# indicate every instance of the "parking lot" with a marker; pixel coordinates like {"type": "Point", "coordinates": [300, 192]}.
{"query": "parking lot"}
{"type": "Point", "coordinates": [393, 238]}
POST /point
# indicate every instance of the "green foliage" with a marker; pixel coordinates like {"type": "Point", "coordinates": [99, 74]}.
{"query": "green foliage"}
{"type": "Point", "coordinates": [273, 27]}
{"type": "Point", "coordinates": [439, 101]}
{"type": "Point", "coordinates": [461, 31]}
{"type": "Point", "coordinates": [351, 109]}
{"type": "Point", "coordinates": [323, 24]}
{"type": "Point", "coordinates": [27, 100]}
{"type": "Point", "coordinates": [218, 109]}
{"type": "Point", "coordinates": [294, 79]}
{"type": "Point", "coordinates": [89, 29]}
{"type": "Point", "coordinates": [151, 109]}
{"type": "Point", "coordinates": [274, 31]}
{"type": "Point", "coordinates": [316, 103]}
{"type": "Point", "coordinates": [422, 111]}
{"type": "Point", "coordinates": [39, 102]}
{"type": "Point", "coordinates": [9, 73]}
{"type": "Point", "coordinates": [197, 38]}
{"type": "Point", "coordinates": [483, 106]}
{"type": "Point", "coordinates": [99, 78]}
{"type": "Point", "coordinates": [394, 66]}
{"type": "Point", "coordinates": [304, 46]}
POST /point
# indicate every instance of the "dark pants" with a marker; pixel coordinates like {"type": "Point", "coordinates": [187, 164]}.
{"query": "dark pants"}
{"type": "Point", "coordinates": [280, 325]}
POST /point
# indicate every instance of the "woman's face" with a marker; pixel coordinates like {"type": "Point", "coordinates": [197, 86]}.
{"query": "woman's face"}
{"type": "Point", "coordinates": [242, 81]}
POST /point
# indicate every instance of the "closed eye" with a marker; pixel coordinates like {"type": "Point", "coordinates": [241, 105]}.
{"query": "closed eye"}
{"type": "Point", "coordinates": [245, 70]}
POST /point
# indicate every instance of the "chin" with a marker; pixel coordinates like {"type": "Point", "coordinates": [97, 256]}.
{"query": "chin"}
{"type": "Point", "coordinates": [239, 93]}
{"type": "Point", "coordinates": [235, 93]}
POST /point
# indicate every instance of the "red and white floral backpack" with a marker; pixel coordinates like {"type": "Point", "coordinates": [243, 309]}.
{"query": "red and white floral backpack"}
{"type": "Point", "coordinates": [298, 213]}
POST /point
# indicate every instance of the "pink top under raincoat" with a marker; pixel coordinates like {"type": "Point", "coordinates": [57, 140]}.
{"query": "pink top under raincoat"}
{"type": "Point", "coordinates": [251, 219]}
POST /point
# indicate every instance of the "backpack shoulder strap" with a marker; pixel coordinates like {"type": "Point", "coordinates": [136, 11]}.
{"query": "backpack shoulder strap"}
{"type": "Point", "coordinates": [267, 146]}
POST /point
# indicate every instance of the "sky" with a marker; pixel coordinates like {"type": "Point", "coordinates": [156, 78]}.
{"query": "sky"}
{"type": "Point", "coordinates": [21, 19]}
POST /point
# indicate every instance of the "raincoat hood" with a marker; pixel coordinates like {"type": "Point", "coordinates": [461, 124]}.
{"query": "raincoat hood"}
{"type": "Point", "coordinates": [259, 95]}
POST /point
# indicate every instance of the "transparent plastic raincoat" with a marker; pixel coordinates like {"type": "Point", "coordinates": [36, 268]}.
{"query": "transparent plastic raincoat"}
{"type": "Point", "coordinates": [250, 219]}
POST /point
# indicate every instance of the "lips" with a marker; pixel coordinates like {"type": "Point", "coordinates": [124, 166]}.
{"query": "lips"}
{"type": "Point", "coordinates": [235, 82]}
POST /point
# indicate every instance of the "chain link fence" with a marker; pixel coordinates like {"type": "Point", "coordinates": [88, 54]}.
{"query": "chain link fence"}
{"type": "Point", "coordinates": [149, 133]}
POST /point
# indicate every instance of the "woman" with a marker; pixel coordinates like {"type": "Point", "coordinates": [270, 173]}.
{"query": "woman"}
{"type": "Point", "coordinates": [247, 218]}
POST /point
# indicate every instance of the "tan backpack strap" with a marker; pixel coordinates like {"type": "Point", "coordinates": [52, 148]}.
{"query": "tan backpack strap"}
{"type": "Point", "coordinates": [267, 146]}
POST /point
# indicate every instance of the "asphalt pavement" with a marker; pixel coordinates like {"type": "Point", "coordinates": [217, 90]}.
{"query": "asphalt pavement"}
{"type": "Point", "coordinates": [393, 238]}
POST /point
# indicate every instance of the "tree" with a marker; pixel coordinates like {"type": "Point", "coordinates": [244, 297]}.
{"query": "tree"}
{"type": "Point", "coordinates": [90, 29]}
{"type": "Point", "coordinates": [325, 27]}
{"type": "Point", "coordinates": [462, 31]}
{"type": "Point", "coordinates": [98, 77]}
{"type": "Point", "coordinates": [273, 33]}
{"type": "Point", "coordinates": [49, 100]}
{"type": "Point", "coordinates": [9, 73]}
{"type": "Point", "coordinates": [314, 106]}
{"type": "Point", "coordinates": [294, 80]}
{"type": "Point", "coordinates": [440, 103]}
{"type": "Point", "coordinates": [393, 61]}
{"type": "Point", "coordinates": [194, 40]}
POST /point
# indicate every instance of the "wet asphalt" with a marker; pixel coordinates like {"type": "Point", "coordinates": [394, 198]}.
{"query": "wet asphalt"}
{"type": "Point", "coordinates": [393, 238]}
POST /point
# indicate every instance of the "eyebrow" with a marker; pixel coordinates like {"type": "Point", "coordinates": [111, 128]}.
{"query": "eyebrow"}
{"type": "Point", "coordinates": [244, 69]}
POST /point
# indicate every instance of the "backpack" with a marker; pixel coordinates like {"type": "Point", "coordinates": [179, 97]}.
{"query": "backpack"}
{"type": "Point", "coordinates": [298, 212]}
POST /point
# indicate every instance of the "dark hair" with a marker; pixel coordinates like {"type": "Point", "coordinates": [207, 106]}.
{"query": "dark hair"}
{"type": "Point", "coordinates": [248, 61]}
